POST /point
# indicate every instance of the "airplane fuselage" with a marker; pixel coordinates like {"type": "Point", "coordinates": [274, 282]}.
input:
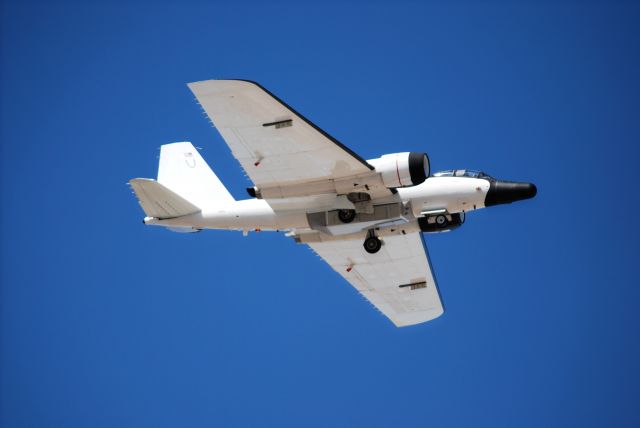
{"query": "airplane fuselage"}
{"type": "Point", "coordinates": [435, 196]}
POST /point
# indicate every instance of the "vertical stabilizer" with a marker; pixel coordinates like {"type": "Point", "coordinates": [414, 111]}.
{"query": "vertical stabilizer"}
{"type": "Point", "coordinates": [185, 172]}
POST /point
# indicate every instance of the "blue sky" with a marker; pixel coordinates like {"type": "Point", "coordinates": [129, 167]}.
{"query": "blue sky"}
{"type": "Point", "coordinates": [108, 323]}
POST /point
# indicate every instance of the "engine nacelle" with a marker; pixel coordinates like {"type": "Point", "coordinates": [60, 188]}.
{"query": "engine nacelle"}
{"type": "Point", "coordinates": [441, 222]}
{"type": "Point", "coordinates": [402, 169]}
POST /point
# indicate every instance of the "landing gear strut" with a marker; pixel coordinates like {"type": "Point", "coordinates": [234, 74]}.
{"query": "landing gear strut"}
{"type": "Point", "coordinates": [372, 244]}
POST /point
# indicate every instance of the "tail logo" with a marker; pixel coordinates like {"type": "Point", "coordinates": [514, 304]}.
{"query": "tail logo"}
{"type": "Point", "coordinates": [190, 160]}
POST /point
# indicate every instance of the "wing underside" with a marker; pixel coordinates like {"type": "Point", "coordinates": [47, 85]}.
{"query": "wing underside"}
{"type": "Point", "coordinates": [398, 280]}
{"type": "Point", "coordinates": [287, 156]}
{"type": "Point", "coordinates": [275, 145]}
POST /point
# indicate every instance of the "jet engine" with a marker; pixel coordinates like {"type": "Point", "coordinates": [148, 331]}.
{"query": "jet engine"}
{"type": "Point", "coordinates": [402, 169]}
{"type": "Point", "coordinates": [440, 222]}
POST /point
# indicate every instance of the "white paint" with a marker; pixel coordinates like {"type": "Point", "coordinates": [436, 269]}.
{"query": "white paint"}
{"type": "Point", "coordinates": [394, 169]}
{"type": "Point", "coordinates": [454, 194]}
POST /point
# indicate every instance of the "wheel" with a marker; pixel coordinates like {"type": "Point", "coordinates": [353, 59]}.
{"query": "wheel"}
{"type": "Point", "coordinates": [372, 244]}
{"type": "Point", "coordinates": [441, 220]}
{"type": "Point", "coordinates": [346, 216]}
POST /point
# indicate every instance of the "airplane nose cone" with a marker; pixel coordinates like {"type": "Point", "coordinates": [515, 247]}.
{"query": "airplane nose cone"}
{"type": "Point", "coordinates": [505, 192]}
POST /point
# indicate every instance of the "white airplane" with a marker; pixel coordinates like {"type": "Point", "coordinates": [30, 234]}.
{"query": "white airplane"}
{"type": "Point", "coordinates": [365, 218]}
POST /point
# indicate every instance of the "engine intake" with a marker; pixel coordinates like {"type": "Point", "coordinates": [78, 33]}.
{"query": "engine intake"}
{"type": "Point", "coordinates": [402, 169]}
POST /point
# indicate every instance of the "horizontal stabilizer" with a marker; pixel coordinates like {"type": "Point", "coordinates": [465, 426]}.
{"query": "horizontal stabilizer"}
{"type": "Point", "coordinates": [158, 201]}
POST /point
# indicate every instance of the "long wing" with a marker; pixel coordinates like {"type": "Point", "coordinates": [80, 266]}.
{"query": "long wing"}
{"type": "Point", "coordinates": [275, 145]}
{"type": "Point", "coordinates": [398, 279]}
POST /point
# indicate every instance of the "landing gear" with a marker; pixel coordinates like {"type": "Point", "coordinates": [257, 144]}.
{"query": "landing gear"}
{"type": "Point", "coordinates": [441, 220]}
{"type": "Point", "coordinates": [372, 244]}
{"type": "Point", "coordinates": [346, 216]}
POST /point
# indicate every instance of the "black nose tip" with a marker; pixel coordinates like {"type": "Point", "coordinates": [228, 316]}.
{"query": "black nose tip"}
{"type": "Point", "coordinates": [505, 192]}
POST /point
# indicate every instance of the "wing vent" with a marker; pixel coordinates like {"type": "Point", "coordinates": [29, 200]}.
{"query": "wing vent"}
{"type": "Point", "coordinates": [279, 124]}
{"type": "Point", "coordinates": [415, 285]}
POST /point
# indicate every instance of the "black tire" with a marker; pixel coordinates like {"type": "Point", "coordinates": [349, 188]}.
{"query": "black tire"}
{"type": "Point", "coordinates": [441, 221]}
{"type": "Point", "coordinates": [346, 216]}
{"type": "Point", "coordinates": [372, 245]}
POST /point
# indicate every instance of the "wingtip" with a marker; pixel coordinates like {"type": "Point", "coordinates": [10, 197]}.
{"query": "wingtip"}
{"type": "Point", "coordinates": [409, 322]}
{"type": "Point", "coordinates": [211, 81]}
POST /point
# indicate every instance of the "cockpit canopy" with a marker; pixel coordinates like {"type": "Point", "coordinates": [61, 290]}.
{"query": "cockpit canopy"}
{"type": "Point", "coordinates": [462, 173]}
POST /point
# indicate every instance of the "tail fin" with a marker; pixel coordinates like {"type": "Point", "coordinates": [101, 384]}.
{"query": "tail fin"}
{"type": "Point", "coordinates": [183, 171]}
{"type": "Point", "coordinates": [160, 202]}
